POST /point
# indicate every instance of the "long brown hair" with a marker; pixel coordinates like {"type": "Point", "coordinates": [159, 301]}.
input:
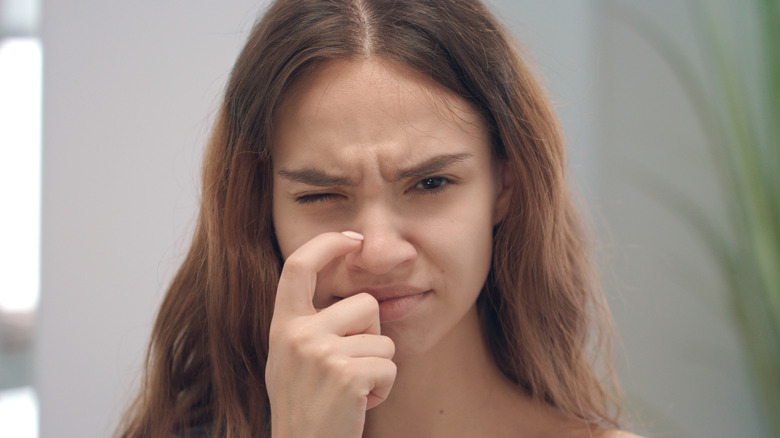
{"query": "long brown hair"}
{"type": "Point", "coordinates": [540, 306]}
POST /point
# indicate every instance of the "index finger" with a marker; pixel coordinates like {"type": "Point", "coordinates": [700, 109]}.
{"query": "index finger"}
{"type": "Point", "coordinates": [298, 279]}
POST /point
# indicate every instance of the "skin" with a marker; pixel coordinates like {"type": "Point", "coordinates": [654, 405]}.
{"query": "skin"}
{"type": "Point", "coordinates": [374, 127]}
{"type": "Point", "coordinates": [404, 168]}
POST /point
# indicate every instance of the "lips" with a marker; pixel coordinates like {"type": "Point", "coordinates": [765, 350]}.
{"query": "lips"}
{"type": "Point", "coordinates": [390, 292]}
{"type": "Point", "coordinates": [395, 302]}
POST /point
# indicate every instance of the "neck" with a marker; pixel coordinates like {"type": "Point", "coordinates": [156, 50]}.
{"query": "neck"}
{"type": "Point", "coordinates": [456, 390]}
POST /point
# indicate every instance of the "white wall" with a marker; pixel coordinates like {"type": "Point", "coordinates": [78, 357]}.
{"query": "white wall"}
{"type": "Point", "coordinates": [560, 38]}
{"type": "Point", "coordinates": [682, 366]}
{"type": "Point", "coordinates": [680, 362]}
{"type": "Point", "coordinates": [129, 88]}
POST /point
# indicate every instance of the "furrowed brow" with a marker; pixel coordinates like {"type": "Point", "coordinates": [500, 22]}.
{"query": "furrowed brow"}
{"type": "Point", "coordinates": [432, 165]}
{"type": "Point", "coordinates": [314, 177]}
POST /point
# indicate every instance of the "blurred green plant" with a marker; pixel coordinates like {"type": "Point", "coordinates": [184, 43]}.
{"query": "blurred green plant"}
{"type": "Point", "coordinates": [737, 102]}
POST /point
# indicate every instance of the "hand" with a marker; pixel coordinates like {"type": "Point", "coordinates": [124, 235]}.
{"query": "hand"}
{"type": "Point", "coordinates": [325, 368]}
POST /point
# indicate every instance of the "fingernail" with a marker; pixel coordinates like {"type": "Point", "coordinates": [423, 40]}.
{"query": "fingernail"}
{"type": "Point", "coordinates": [353, 235]}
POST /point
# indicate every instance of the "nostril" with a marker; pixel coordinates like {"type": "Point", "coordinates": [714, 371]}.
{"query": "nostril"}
{"type": "Point", "coordinates": [381, 255]}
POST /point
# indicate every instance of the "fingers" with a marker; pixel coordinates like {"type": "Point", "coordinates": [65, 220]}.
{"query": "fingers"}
{"type": "Point", "coordinates": [299, 275]}
{"type": "Point", "coordinates": [366, 378]}
{"type": "Point", "coordinates": [353, 315]}
{"type": "Point", "coordinates": [359, 346]}
{"type": "Point", "coordinates": [324, 350]}
{"type": "Point", "coordinates": [330, 365]}
{"type": "Point", "coordinates": [383, 374]}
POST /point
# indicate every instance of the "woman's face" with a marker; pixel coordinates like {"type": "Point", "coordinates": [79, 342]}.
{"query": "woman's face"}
{"type": "Point", "coordinates": [371, 147]}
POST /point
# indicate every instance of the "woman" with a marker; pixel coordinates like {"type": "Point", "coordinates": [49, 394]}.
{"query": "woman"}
{"type": "Point", "coordinates": [386, 245]}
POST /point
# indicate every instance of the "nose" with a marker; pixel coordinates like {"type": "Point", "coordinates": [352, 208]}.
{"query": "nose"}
{"type": "Point", "coordinates": [385, 245]}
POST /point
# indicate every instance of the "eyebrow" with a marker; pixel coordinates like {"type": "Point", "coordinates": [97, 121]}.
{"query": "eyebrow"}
{"type": "Point", "coordinates": [432, 165]}
{"type": "Point", "coordinates": [318, 178]}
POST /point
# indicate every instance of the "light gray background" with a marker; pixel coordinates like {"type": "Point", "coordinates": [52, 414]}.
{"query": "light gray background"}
{"type": "Point", "coordinates": [130, 89]}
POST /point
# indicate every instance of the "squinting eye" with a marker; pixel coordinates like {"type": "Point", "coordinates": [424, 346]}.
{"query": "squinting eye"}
{"type": "Point", "coordinates": [432, 183]}
{"type": "Point", "coordinates": [315, 197]}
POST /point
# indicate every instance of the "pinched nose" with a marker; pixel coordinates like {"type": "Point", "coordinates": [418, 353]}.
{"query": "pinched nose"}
{"type": "Point", "coordinates": [385, 245]}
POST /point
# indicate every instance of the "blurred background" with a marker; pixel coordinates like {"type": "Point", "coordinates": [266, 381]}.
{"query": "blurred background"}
{"type": "Point", "coordinates": [98, 194]}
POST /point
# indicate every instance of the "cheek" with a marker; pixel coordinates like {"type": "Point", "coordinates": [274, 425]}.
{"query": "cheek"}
{"type": "Point", "coordinates": [291, 235]}
{"type": "Point", "coordinates": [463, 243]}
{"type": "Point", "coordinates": [287, 227]}
{"type": "Point", "coordinates": [471, 252]}
{"type": "Point", "coordinates": [294, 228]}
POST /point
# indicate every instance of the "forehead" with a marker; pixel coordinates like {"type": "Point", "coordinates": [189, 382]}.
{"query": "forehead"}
{"type": "Point", "coordinates": [376, 80]}
{"type": "Point", "coordinates": [368, 104]}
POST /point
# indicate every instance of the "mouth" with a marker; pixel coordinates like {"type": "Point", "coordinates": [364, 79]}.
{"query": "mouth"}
{"type": "Point", "coordinates": [393, 309]}
{"type": "Point", "coordinates": [395, 302]}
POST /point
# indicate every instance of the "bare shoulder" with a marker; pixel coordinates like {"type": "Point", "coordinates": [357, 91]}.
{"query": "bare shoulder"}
{"type": "Point", "coordinates": [619, 434]}
{"type": "Point", "coordinates": [605, 433]}
{"type": "Point", "coordinates": [588, 432]}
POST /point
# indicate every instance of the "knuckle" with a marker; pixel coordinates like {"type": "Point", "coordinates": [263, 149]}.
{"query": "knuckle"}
{"type": "Point", "coordinates": [322, 351]}
{"type": "Point", "coordinates": [292, 338]}
{"type": "Point", "coordinates": [340, 371]}
{"type": "Point", "coordinates": [300, 338]}
{"type": "Point", "coordinates": [389, 346]}
{"type": "Point", "coordinates": [392, 368]}
{"type": "Point", "coordinates": [386, 371]}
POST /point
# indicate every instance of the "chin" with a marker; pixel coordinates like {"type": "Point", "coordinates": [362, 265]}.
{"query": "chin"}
{"type": "Point", "coordinates": [434, 337]}
{"type": "Point", "coordinates": [410, 342]}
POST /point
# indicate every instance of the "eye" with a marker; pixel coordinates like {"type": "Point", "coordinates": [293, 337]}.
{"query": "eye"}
{"type": "Point", "coordinates": [315, 197]}
{"type": "Point", "coordinates": [433, 183]}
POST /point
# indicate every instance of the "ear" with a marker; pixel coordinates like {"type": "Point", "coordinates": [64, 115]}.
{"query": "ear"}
{"type": "Point", "coordinates": [505, 182]}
